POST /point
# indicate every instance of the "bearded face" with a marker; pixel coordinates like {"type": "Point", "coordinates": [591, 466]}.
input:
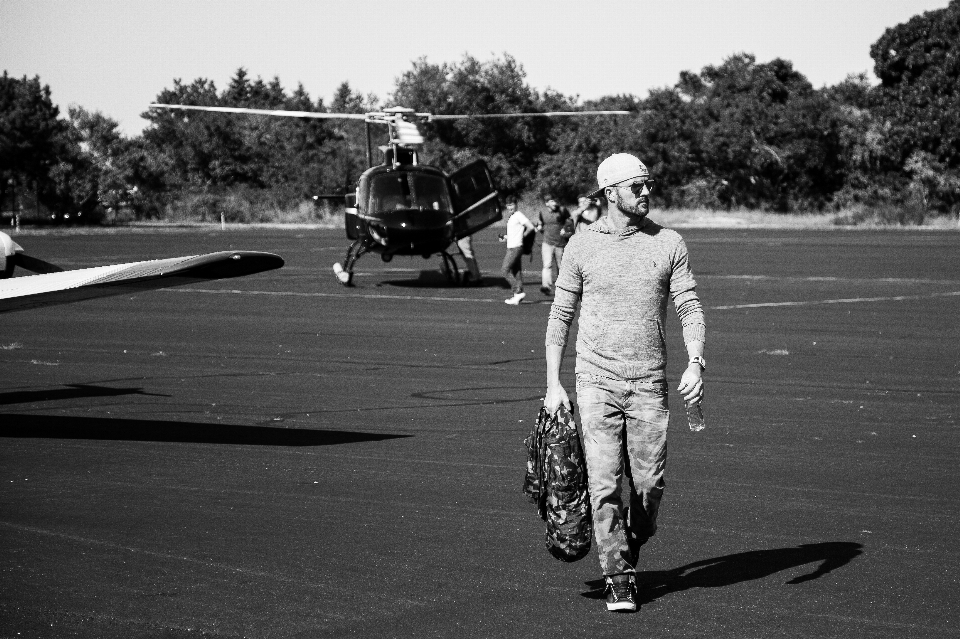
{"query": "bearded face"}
{"type": "Point", "coordinates": [633, 206]}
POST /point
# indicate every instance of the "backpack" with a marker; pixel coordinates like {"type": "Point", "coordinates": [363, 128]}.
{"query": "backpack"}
{"type": "Point", "coordinates": [556, 481]}
{"type": "Point", "coordinates": [528, 241]}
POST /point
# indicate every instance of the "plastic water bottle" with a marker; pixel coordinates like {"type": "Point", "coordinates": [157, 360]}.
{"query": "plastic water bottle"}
{"type": "Point", "coordinates": [695, 417]}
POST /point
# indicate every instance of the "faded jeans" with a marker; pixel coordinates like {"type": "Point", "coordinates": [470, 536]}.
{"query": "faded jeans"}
{"type": "Point", "coordinates": [624, 427]}
{"type": "Point", "coordinates": [465, 244]}
{"type": "Point", "coordinates": [551, 256]}
{"type": "Point", "coordinates": [512, 269]}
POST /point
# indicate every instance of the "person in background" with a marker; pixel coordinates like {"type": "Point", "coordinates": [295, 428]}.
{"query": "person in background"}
{"type": "Point", "coordinates": [556, 224]}
{"type": "Point", "coordinates": [621, 272]}
{"type": "Point", "coordinates": [472, 276]}
{"type": "Point", "coordinates": [519, 226]}
{"type": "Point", "coordinates": [586, 213]}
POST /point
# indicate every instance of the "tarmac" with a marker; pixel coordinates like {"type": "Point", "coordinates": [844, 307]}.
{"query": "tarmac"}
{"type": "Point", "coordinates": [280, 456]}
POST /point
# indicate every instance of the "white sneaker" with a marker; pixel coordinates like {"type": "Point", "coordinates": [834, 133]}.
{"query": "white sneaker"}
{"type": "Point", "coordinates": [515, 300]}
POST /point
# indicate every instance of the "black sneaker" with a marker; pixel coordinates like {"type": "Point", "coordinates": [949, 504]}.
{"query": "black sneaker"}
{"type": "Point", "coordinates": [621, 593]}
{"type": "Point", "coordinates": [546, 290]}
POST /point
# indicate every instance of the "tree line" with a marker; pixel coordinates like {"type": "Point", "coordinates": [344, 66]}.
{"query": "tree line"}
{"type": "Point", "coordinates": [737, 135]}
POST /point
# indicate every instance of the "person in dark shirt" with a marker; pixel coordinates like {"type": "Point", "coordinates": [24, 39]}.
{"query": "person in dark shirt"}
{"type": "Point", "coordinates": [556, 224]}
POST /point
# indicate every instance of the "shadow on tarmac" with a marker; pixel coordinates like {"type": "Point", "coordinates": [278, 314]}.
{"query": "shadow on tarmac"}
{"type": "Point", "coordinates": [733, 569]}
{"type": "Point", "coordinates": [436, 279]}
{"type": "Point", "coordinates": [72, 391]}
{"type": "Point", "coordinates": [138, 430]}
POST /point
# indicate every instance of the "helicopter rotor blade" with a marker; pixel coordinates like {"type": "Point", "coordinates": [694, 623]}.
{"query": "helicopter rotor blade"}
{"type": "Point", "coordinates": [291, 114]}
{"type": "Point", "coordinates": [546, 114]}
{"type": "Point", "coordinates": [377, 117]}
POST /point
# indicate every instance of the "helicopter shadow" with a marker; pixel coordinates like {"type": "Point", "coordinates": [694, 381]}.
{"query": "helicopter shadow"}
{"type": "Point", "coordinates": [737, 568]}
{"type": "Point", "coordinates": [142, 430]}
{"type": "Point", "coordinates": [71, 391]}
{"type": "Point", "coordinates": [436, 279]}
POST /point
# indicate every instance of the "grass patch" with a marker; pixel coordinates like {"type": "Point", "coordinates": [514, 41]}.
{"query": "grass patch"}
{"type": "Point", "coordinates": [867, 217]}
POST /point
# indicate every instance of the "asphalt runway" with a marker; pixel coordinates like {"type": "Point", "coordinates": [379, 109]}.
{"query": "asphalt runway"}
{"type": "Point", "coordinates": [278, 456]}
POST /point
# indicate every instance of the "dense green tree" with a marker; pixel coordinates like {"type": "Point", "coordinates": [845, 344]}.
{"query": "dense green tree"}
{"type": "Point", "coordinates": [510, 146]}
{"type": "Point", "coordinates": [31, 134]}
{"type": "Point", "coordinates": [266, 161]}
{"type": "Point", "coordinates": [200, 148]}
{"type": "Point", "coordinates": [298, 156]}
{"type": "Point", "coordinates": [344, 157]}
{"type": "Point", "coordinates": [737, 134]}
{"type": "Point", "coordinates": [861, 136]}
{"type": "Point", "coordinates": [918, 64]}
{"type": "Point", "coordinates": [110, 176]}
{"type": "Point", "coordinates": [669, 139]}
{"type": "Point", "coordinates": [579, 144]}
{"type": "Point", "coordinates": [99, 139]}
{"type": "Point", "coordinates": [768, 137]}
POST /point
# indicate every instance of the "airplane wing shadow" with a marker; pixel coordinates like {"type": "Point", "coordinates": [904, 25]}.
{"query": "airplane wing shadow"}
{"type": "Point", "coordinates": [72, 391]}
{"type": "Point", "coordinates": [142, 430]}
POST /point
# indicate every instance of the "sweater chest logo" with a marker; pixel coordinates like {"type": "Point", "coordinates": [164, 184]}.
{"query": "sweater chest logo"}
{"type": "Point", "coordinates": [647, 265]}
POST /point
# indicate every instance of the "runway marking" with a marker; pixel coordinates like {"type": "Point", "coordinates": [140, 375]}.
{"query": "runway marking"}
{"type": "Point", "coordinates": [848, 300]}
{"type": "Point", "coordinates": [379, 296]}
{"type": "Point", "coordinates": [826, 278]}
{"type": "Point", "coordinates": [440, 298]}
{"type": "Point", "coordinates": [162, 555]}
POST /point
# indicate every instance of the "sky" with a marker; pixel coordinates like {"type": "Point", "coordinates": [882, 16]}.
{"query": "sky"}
{"type": "Point", "coordinates": [116, 56]}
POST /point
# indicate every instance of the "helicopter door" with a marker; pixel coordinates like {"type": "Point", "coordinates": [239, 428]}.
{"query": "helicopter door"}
{"type": "Point", "coordinates": [475, 202]}
{"type": "Point", "coordinates": [350, 218]}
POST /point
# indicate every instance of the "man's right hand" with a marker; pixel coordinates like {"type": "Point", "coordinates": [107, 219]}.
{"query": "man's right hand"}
{"type": "Point", "coordinates": [556, 396]}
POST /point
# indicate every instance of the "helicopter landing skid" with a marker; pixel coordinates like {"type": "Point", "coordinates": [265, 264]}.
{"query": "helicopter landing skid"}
{"type": "Point", "coordinates": [344, 273]}
{"type": "Point", "coordinates": [448, 266]}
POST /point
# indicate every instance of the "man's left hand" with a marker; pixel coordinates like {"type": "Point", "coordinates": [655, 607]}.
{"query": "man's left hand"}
{"type": "Point", "coordinates": [691, 384]}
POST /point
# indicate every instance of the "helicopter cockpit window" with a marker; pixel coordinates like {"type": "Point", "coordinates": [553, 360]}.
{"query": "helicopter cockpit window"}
{"type": "Point", "coordinates": [407, 190]}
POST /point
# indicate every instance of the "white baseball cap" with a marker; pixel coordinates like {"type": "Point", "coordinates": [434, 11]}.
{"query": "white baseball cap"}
{"type": "Point", "coordinates": [618, 168]}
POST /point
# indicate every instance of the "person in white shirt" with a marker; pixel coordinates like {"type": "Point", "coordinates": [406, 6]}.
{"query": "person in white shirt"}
{"type": "Point", "coordinates": [518, 228]}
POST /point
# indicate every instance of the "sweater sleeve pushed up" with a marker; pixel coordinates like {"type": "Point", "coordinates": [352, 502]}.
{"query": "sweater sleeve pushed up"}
{"type": "Point", "coordinates": [690, 313]}
{"type": "Point", "coordinates": [567, 292]}
{"type": "Point", "coordinates": [561, 317]}
{"type": "Point", "coordinates": [685, 300]}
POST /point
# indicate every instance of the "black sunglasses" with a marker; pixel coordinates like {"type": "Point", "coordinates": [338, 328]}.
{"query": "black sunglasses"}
{"type": "Point", "coordinates": [637, 187]}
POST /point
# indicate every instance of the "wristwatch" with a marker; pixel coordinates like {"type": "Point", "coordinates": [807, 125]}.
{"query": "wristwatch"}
{"type": "Point", "coordinates": [696, 359]}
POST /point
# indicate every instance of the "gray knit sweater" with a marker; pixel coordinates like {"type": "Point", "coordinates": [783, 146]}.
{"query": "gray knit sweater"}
{"type": "Point", "coordinates": [621, 278]}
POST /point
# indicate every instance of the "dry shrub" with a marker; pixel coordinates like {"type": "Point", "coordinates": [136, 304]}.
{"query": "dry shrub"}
{"type": "Point", "coordinates": [245, 206]}
{"type": "Point", "coordinates": [907, 213]}
{"type": "Point", "coordinates": [697, 194]}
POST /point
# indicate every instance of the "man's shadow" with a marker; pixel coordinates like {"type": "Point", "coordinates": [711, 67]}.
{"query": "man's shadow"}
{"type": "Point", "coordinates": [733, 569]}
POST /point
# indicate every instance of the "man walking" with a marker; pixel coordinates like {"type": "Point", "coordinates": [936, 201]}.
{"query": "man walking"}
{"type": "Point", "coordinates": [621, 270]}
{"type": "Point", "coordinates": [519, 227]}
{"type": "Point", "coordinates": [557, 227]}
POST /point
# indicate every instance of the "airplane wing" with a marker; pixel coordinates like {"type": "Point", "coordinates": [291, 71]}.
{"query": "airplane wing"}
{"type": "Point", "coordinates": [31, 291]}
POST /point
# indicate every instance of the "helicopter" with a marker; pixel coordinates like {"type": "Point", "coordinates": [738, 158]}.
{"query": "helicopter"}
{"type": "Point", "coordinates": [403, 207]}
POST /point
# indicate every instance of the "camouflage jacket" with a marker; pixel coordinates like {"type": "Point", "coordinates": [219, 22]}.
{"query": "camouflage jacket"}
{"type": "Point", "coordinates": [556, 481]}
